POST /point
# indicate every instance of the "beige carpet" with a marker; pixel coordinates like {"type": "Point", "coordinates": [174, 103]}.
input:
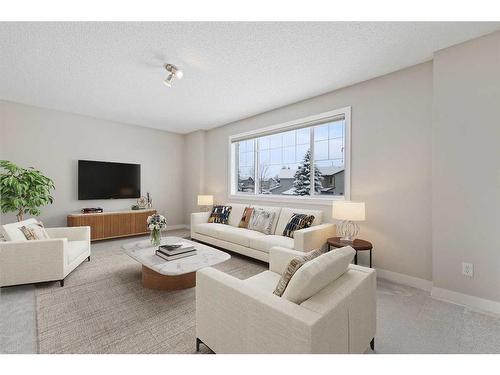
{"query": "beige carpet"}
{"type": "Point", "coordinates": [103, 307]}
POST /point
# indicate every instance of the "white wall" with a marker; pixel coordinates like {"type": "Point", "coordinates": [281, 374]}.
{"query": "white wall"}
{"type": "Point", "coordinates": [53, 141]}
{"type": "Point", "coordinates": [466, 167]}
{"type": "Point", "coordinates": [194, 176]}
{"type": "Point", "coordinates": [391, 161]}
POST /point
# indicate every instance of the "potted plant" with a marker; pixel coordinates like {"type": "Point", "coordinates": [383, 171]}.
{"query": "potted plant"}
{"type": "Point", "coordinates": [156, 223]}
{"type": "Point", "coordinates": [23, 190]}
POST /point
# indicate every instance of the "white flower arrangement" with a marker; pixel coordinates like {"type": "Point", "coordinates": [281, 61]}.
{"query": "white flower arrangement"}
{"type": "Point", "coordinates": [157, 222]}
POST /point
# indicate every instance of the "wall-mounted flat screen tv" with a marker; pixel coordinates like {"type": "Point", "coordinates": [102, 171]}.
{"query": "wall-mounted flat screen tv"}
{"type": "Point", "coordinates": [105, 180]}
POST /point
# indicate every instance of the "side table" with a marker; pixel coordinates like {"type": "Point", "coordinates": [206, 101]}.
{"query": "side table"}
{"type": "Point", "coordinates": [357, 244]}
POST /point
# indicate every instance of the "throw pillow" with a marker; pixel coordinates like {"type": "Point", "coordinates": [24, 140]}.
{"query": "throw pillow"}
{"type": "Point", "coordinates": [220, 214]}
{"type": "Point", "coordinates": [293, 267]}
{"type": "Point", "coordinates": [296, 222]}
{"type": "Point", "coordinates": [261, 221]}
{"type": "Point", "coordinates": [245, 219]}
{"type": "Point", "coordinates": [35, 231]}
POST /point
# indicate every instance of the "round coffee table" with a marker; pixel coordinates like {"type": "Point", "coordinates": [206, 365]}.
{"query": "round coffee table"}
{"type": "Point", "coordinates": [358, 245]}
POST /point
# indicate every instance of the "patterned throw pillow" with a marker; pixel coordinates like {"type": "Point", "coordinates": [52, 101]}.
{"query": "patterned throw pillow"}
{"type": "Point", "coordinates": [220, 214]}
{"type": "Point", "coordinates": [245, 219]}
{"type": "Point", "coordinates": [35, 231]}
{"type": "Point", "coordinates": [261, 221]}
{"type": "Point", "coordinates": [296, 222]}
{"type": "Point", "coordinates": [292, 267]}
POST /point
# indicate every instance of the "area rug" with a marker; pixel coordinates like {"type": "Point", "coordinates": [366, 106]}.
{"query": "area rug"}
{"type": "Point", "coordinates": [103, 307]}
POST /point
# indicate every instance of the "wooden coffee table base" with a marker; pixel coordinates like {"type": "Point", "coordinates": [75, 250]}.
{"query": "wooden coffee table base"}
{"type": "Point", "coordinates": [155, 280]}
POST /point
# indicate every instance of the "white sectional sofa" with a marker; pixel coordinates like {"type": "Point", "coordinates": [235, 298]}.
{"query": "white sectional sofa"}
{"type": "Point", "coordinates": [255, 244]}
{"type": "Point", "coordinates": [26, 262]}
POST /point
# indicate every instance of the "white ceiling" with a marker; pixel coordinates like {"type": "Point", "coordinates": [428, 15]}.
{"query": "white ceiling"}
{"type": "Point", "coordinates": [231, 70]}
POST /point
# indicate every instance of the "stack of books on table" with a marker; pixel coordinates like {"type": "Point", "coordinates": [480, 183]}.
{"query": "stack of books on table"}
{"type": "Point", "coordinates": [175, 251]}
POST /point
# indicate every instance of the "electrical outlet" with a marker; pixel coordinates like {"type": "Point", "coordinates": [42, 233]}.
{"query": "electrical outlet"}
{"type": "Point", "coordinates": [468, 269]}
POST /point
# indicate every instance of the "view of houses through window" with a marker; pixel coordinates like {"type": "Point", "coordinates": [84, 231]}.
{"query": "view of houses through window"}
{"type": "Point", "coordinates": [292, 162]}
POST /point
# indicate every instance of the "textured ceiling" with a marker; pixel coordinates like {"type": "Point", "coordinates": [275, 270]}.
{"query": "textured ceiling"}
{"type": "Point", "coordinates": [231, 70]}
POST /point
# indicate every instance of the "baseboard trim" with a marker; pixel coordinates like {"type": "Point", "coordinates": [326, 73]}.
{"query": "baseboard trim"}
{"type": "Point", "coordinates": [177, 226]}
{"type": "Point", "coordinates": [403, 279]}
{"type": "Point", "coordinates": [472, 302]}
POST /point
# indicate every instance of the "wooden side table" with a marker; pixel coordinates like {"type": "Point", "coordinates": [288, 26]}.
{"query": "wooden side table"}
{"type": "Point", "coordinates": [357, 244]}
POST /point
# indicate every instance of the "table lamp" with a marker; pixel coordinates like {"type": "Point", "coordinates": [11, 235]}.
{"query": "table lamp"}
{"type": "Point", "coordinates": [205, 200]}
{"type": "Point", "coordinates": [348, 212]}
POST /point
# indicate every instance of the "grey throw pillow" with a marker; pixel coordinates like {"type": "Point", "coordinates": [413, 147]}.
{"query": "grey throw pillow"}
{"type": "Point", "coordinates": [292, 267]}
{"type": "Point", "coordinates": [261, 221]}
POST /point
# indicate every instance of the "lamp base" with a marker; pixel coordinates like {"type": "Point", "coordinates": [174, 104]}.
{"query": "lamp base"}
{"type": "Point", "coordinates": [348, 231]}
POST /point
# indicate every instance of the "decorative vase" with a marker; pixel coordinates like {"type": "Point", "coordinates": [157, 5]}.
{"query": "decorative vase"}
{"type": "Point", "coordinates": [155, 237]}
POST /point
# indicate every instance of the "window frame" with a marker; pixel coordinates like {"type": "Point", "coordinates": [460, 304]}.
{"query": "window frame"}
{"type": "Point", "coordinates": [283, 127]}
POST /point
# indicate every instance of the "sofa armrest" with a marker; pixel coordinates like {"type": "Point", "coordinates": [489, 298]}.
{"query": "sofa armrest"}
{"type": "Point", "coordinates": [279, 257]}
{"type": "Point", "coordinates": [234, 317]}
{"type": "Point", "coordinates": [71, 233]}
{"type": "Point", "coordinates": [198, 218]}
{"type": "Point", "coordinates": [313, 237]}
{"type": "Point", "coordinates": [23, 262]}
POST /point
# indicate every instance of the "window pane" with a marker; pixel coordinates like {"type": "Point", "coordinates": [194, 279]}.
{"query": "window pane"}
{"type": "Point", "coordinates": [303, 136]}
{"type": "Point", "coordinates": [301, 152]}
{"type": "Point", "coordinates": [321, 132]}
{"type": "Point", "coordinates": [275, 157]}
{"type": "Point", "coordinates": [242, 146]}
{"type": "Point", "coordinates": [275, 140]}
{"type": "Point", "coordinates": [246, 182]}
{"type": "Point", "coordinates": [249, 144]}
{"type": "Point", "coordinates": [289, 138]}
{"type": "Point", "coordinates": [288, 155]}
{"type": "Point", "coordinates": [337, 148]}
{"type": "Point", "coordinates": [250, 159]}
{"type": "Point", "coordinates": [321, 150]}
{"type": "Point", "coordinates": [337, 129]}
{"type": "Point", "coordinates": [264, 157]}
{"type": "Point", "coordinates": [263, 143]}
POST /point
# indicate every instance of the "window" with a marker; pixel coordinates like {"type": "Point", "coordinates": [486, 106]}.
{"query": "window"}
{"type": "Point", "coordinates": [304, 158]}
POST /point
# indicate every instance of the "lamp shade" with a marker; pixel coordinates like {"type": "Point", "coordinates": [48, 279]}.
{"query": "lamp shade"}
{"type": "Point", "coordinates": [348, 210]}
{"type": "Point", "coordinates": [205, 200]}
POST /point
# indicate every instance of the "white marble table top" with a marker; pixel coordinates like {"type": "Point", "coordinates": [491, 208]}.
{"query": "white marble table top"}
{"type": "Point", "coordinates": [144, 253]}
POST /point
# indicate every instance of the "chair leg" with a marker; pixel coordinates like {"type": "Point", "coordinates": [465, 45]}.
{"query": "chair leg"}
{"type": "Point", "coordinates": [372, 344]}
{"type": "Point", "coordinates": [61, 282]}
{"type": "Point", "coordinates": [88, 258]}
{"type": "Point", "coordinates": [198, 342]}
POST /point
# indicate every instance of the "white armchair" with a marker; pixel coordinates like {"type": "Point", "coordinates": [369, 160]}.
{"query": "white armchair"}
{"type": "Point", "coordinates": [26, 262]}
{"type": "Point", "coordinates": [244, 316]}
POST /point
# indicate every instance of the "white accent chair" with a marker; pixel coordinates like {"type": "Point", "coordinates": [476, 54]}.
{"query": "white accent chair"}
{"type": "Point", "coordinates": [27, 262]}
{"type": "Point", "coordinates": [334, 308]}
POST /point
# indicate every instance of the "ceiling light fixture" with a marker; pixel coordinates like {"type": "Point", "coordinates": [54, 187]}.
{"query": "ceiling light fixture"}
{"type": "Point", "coordinates": [173, 71]}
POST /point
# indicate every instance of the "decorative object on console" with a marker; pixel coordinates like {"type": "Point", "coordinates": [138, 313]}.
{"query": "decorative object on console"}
{"type": "Point", "coordinates": [92, 210]}
{"type": "Point", "coordinates": [262, 221]}
{"type": "Point", "coordinates": [297, 222]}
{"type": "Point", "coordinates": [348, 212]}
{"type": "Point", "coordinates": [34, 231]}
{"type": "Point", "coordinates": [245, 219]}
{"type": "Point", "coordinates": [205, 200]}
{"type": "Point", "coordinates": [135, 207]}
{"type": "Point", "coordinates": [142, 202]}
{"type": "Point", "coordinates": [292, 267]}
{"type": "Point", "coordinates": [220, 214]}
{"type": "Point", "coordinates": [156, 223]}
{"type": "Point", "coordinates": [23, 190]}
{"type": "Point", "coordinates": [149, 200]}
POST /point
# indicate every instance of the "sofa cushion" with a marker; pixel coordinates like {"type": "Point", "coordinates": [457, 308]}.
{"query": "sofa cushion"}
{"type": "Point", "coordinates": [75, 249]}
{"type": "Point", "coordinates": [287, 213]}
{"type": "Point", "coordinates": [264, 243]}
{"type": "Point", "coordinates": [12, 232]}
{"type": "Point", "coordinates": [238, 236]}
{"type": "Point", "coordinates": [236, 213]}
{"type": "Point", "coordinates": [317, 273]}
{"type": "Point", "coordinates": [35, 231]}
{"type": "Point", "coordinates": [245, 218]}
{"type": "Point", "coordinates": [265, 281]}
{"type": "Point", "coordinates": [208, 229]}
{"type": "Point", "coordinates": [277, 211]}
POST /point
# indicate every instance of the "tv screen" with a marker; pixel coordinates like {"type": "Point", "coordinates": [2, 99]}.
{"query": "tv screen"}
{"type": "Point", "coordinates": [104, 180]}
